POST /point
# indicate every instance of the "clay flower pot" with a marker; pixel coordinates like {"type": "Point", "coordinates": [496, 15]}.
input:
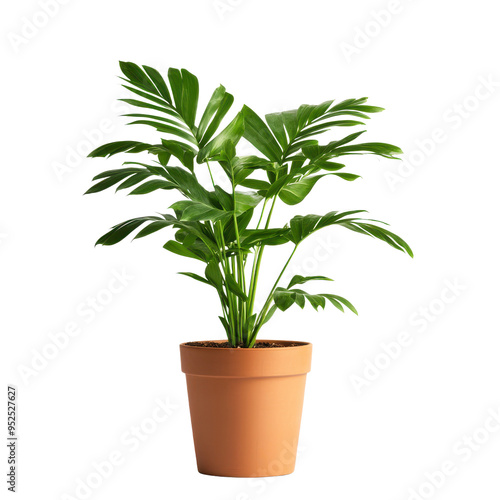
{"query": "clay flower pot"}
{"type": "Point", "coordinates": [246, 407]}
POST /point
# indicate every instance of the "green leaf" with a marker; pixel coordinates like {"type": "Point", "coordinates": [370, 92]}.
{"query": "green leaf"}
{"type": "Point", "coordinates": [197, 211]}
{"type": "Point", "coordinates": [323, 127]}
{"type": "Point", "coordinates": [108, 182]}
{"type": "Point", "coordinates": [376, 148]}
{"type": "Point", "coordinates": [250, 237]}
{"type": "Point", "coordinates": [330, 149]}
{"type": "Point", "coordinates": [346, 176]}
{"type": "Point", "coordinates": [150, 186]}
{"type": "Point", "coordinates": [157, 100]}
{"type": "Point", "coordinates": [316, 301]}
{"type": "Point", "coordinates": [122, 230]}
{"type": "Point", "coordinates": [297, 146]}
{"type": "Point", "coordinates": [110, 173]}
{"type": "Point", "coordinates": [380, 233]}
{"type": "Point", "coordinates": [188, 184]}
{"type": "Point", "coordinates": [134, 179]}
{"type": "Point", "coordinates": [304, 113]}
{"type": "Point", "coordinates": [190, 93]}
{"type": "Point", "coordinates": [370, 109]}
{"type": "Point", "coordinates": [319, 110]}
{"type": "Point", "coordinates": [177, 123]}
{"type": "Point", "coordinates": [303, 226]}
{"type": "Point", "coordinates": [283, 298]}
{"type": "Point", "coordinates": [336, 218]}
{"type": "Point", "coordinates": [183, 152]}
{"type": "Point", "coordinates": [329, 166]}
{"type": "Point", "coordinates": [224, 198]}
{"type": "Point", "coordinates": [255, 184]}
{"type": "Point", "coordinates": [234, 287]}
{"type": "Point", "coordinates": [210, 110]}
{"type": "Point", "coordinates": [185, 89]}
{"type": "Point", "coordinates": [291, 123]}
{"type": "Point", "coordinates": [336, 298]}
{"type": "Point", "coordinates": [243, 220]}
{"type": "Point", "coordinates": [167, 129]}
{"type": "Point", "coordinates": [299, 298]}
{"type": "Point", "coordinates": [159, 82]}
{"type": "Point", "coordinates": [246, 201]}
{"type": "Point", "coordinates": [233, 133]}
{"type": "Point", "coordinates": [175, 80]}
{"type": "Point", "coordinates": [299, 280]}
{"type": "Point", "coordinates": [147, 105]}
{"type": "Point", "coordinates": [249, 325]}
{"type": "Point", "coordinates": [275, 122]}
{"type": "Point", "coordinates": [137, 77]}
{"type": "Point", "coordinates": [113, 148]}
{"type": "Point", "coordinates": [270, 314]}
{"type": "Point", "coordinates": [259, 135]}
{"type": "Point", "coordinates": [152, 228]}
{"type": "Point", "coordinates": [193, 231]}
{"type": "Point", "coordinates": [164, 158]}
{"type": "Point", "coordinates": [226, 326]}
{"type": "Point", "coordinates": [179, 249]}
{"type": "Point", "coordinates": [214, 275]}
{"type": "Point", "coordinates": [277, 184]}
{"type": "Point", "coordinates": [243, 166]}
{"type": "Point", "coordinates": [223, 107]}
{"type": "Point", "coordinates": [295, 192]}
{"type": "Point", "coordinates": [196, 277]}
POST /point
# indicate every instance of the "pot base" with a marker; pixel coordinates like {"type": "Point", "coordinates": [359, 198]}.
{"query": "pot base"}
{"type": "Point", "coordinates": [243, 477]}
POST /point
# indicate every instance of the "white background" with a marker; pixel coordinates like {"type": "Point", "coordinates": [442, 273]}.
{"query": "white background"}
{"type": "Point", "coordinates": [373, 426]}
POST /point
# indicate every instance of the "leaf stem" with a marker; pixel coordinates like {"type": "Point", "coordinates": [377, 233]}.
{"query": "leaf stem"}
{"type": "Point", "coordinates": [241, 267]}
{"type": "Point", "coordinates": [257, 261]}
{"type": "Point", "coordinates": [262, 213]}
{"type": "Point", "coordinates": [210, 172]}
{"type": "Point", "coordinates": [265, 308]}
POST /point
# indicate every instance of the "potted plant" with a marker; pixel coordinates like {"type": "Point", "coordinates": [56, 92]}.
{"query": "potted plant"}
{"type": "Point", "coordinates": [245, 395]}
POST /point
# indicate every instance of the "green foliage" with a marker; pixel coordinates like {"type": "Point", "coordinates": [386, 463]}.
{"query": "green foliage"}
{"type": "Point", "coordinates": [227, 226]}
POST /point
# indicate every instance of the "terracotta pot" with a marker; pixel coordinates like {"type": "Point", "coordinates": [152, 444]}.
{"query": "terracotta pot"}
{"type": "Point", "coordinates": [246, 406]}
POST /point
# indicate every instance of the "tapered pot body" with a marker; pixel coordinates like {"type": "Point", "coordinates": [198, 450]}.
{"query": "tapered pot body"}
{"type": "Point", "coordinates": [246, 407]}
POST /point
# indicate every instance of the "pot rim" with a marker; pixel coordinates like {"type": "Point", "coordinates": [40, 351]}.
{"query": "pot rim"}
{"type": "Point", "coordinates": [185, 345]}
{"type": "Point", "coordinates": [240, 362]}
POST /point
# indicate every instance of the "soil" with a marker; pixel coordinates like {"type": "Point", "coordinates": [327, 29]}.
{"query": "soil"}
{"type": "Point", "coordinates": [261, 345]}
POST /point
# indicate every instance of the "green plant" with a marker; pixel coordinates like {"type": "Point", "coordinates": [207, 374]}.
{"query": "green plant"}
{"type": "Point", "coordinates": [214, 225]}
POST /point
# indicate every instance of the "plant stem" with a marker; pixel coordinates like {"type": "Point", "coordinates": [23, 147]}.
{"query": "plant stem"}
{"type": "Point", "coordinates": [241, 267]}
{"type": "Point", "coordinates": [262, 213]}
{"type": "Point", "coordinates": [257, 261]}
{"type": "Point", "coordinates": [251, 293]}
{"type": "Point", "coordinates": [210, 172]}
{"type": "Point", "coordinates": [265, 308]}
{"type": "Point", "coordinates": [226, 268]}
